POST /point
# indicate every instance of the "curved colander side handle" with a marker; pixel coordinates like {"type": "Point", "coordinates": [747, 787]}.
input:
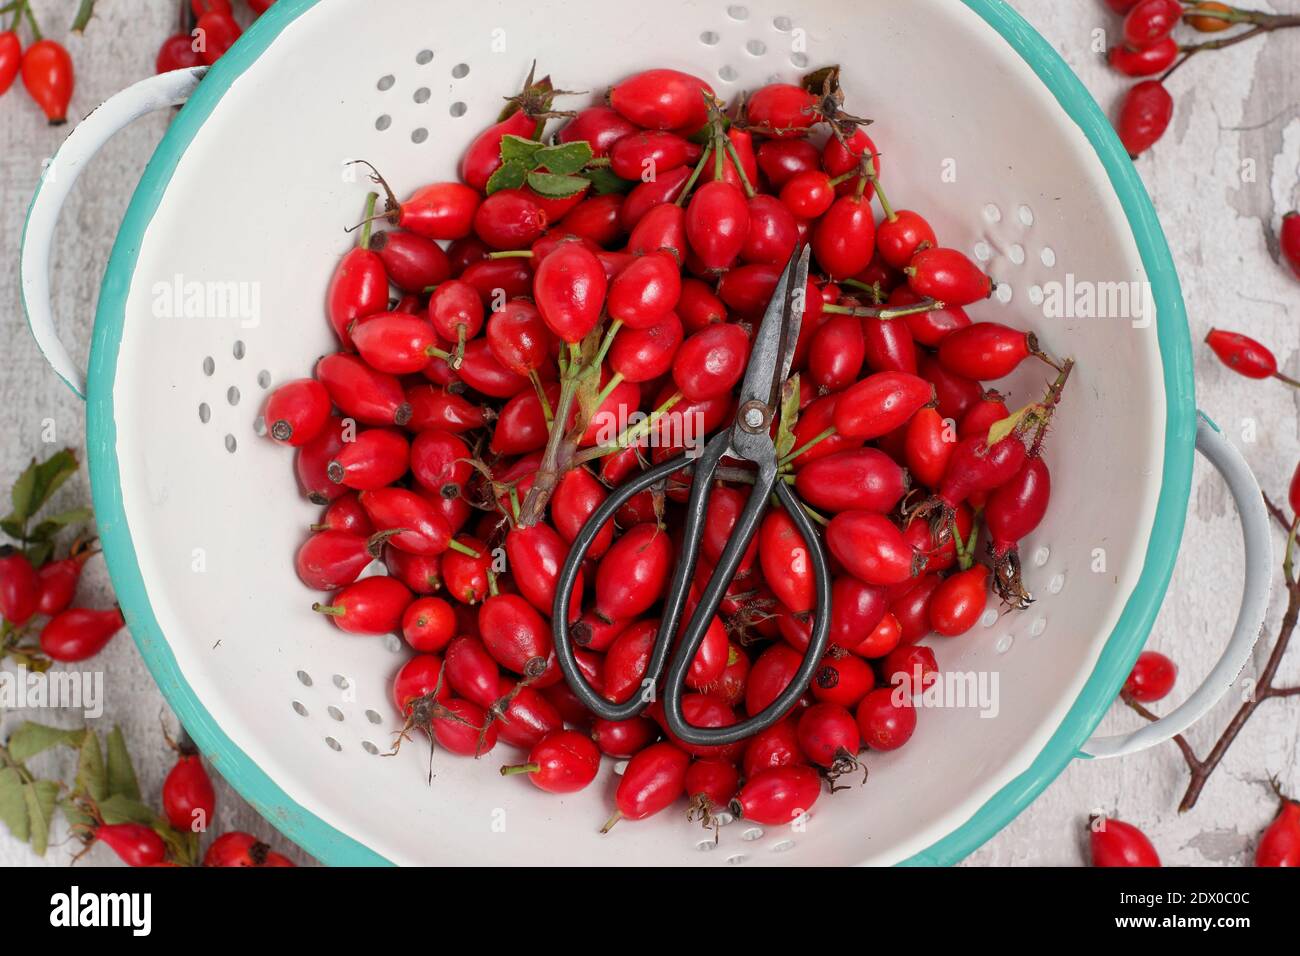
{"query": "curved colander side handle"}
{"type": "Point", "coordinates": [1211, 443]}
{"type": "Point", "coordinates": [58, 178]}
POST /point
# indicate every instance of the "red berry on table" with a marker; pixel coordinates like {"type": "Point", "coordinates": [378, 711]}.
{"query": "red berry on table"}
{"type": "Point", "coordinates": [1152, 677]}
{"type": "Point", "coordinates": [1144, 116]}
{"type": "Point", "coordinates": [11, 59]}
{"type": "Point", "coordinates": [1279, 845]}
{"type": "Point", "coordinates": [1146, 61]}
{"type": "Point", "coordinates": [1242, 354]}
{"type": "Point", "coordinates": [19, 586]}
{"type": "Point", "coordinates": [1151, 21]}
{"type": "Point", "coordinates": [1115, 843]}
{"type": "Point", "coordinates": [79, 633]}
{"type": "Point", "coordinates": [49, 78]}
{"type": "Point", "coordinates": [1289, 239]}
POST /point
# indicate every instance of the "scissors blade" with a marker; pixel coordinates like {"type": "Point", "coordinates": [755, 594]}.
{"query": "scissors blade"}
{"type": "Point", "coordinates": [773, 349]}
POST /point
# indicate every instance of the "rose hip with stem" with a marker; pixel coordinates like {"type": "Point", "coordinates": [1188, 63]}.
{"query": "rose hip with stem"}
{"type": "Point", "coordinates": [1245, 356]}
{"type": "Point", "coordinates": [565, 761]}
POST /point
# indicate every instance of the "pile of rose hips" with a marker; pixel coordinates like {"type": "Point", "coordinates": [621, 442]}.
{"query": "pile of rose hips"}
{"type": "Point", "coordinates": [488, 392]}
{"type": "Point", "coordinates": [209, 29]}
{"type": "Point", "coordinates": [1147, 48]}
{"type": "Point", "coordinates": [46, 67]}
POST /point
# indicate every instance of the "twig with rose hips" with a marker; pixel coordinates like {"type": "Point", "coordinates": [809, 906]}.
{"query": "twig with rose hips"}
{"type": "Point", "coordinates": [1149, 49]}
{"type": "Point", "coordinates": [1253, 360]}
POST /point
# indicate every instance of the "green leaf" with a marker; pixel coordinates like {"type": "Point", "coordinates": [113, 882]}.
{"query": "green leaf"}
{"type": "Point", "coordinates": [39, 797]}
{"type": "Point", "coordinates": [789, 417]}
{"type": "Point", "coordinates": [92, 778]}
{"type": "Point", "coordinates": [13, 805]}
{"type": "Point", "coordinates": [120, 809]}
{"type": "Point", "coordinates": [1004, 427]}
{"type": "Point", "coordinates": [12, 527]}
{"type": "Point", "coordinates": [121, 775]}
{"type": "Point", "coordinates": [40, 553]}
{"type": "Point", "coordinates": [24, 494]}
{"type": "Point", "coordinates": [75, 814]}
{"type": "Point", "coordinates": [565, 159]}
{"type": "Point", "coordinates": [51, 526]}
{"type": "Point", "coordinates": [507, 176]}
{"type": "Point", "coordinates": [29, 739]}
{"type": "Point", "coordinates": [38, 482]}
{"type": "Point", "coordinates": [556, 187]}
{"type": "Point", "coordinates": [516, 149]}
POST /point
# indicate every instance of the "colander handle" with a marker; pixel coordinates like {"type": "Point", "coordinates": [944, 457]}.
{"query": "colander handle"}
{"type": "Point", "coordinates": [57, 179]}
{"type": "Point", "coordinates": [1211, 443]}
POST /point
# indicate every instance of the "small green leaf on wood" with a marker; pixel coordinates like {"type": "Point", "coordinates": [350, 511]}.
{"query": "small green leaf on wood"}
{"type": "Point", "coordinates": [13, 804]}
{"type": "Point", "coordinates": [120, 809]}
{"type": "Point", "coordinates": [52, 525]}
{"type": "Point", "coordinates": [121, 775]}
{"type": "Point", "coordinates": [92, 777]}
{"type": "Point", "coordinates": [31, 738]}
{"type": "Point", "coordinates": [39, 797]}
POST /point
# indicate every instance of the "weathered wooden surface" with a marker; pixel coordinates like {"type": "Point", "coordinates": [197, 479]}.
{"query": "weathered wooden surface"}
{"type": "Point", "coordinates": [1236, 110]}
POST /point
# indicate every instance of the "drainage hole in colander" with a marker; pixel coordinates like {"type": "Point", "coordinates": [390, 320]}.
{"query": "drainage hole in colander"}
{"type": "Point", "coordinates": [304, 678]}
{"type": "Point", "coordinates": [209, 366]}
{"type": "Point", "coordinates": [1036, 295]}
{"type": "Point", "coordinates": [392, 643]}
{"type": "Point", "coordinates": [238, 350]}
{"type": "Point", "coordinates": [620, 767]}
{"type": "Point", "coordinates": [264, 379]}
{"type": "Point", "coordinates": [799, 59]}
{"type": "Point", "coordinates": [1041, 556]}
{"type": "Point", "coordinates": [736, 859]}
{"type": "Point", "coordinates": [423, 57]}
{"type": "Point", "coordinates": [710, 38]}
{"type": "Point", "coordinates": [369, 748]}
{"type": "Point", "coordinates": [1056, 584]}
{"type": "Point", "coordinates": [334, 712]}
{"type": "Point", "coordinates": [1037, 628]}
{"type": "Point", "coordinates": [300, 708]}
{"type": "Point", "coordinates": [756, 47]}
{"type": "Point", "coordinates": [419, 135]}
{"type": "Point", "coordinates": [386, 82]}
{"type": "Point", "coordinates": [1026, 215]}
{"type": "Point", "coordinates": [259, 426]}
{"type": "Point", "coordinates": [1017, 254]}
{"type": "Point", "coordinates": [205, 413]}
{"type": "Point", "coordinates": [752, 834]}
{"type": "Point", "coordinates": [1004, 292]}
{"type": "Point", "coordinates": [340, 682]}
{"type": "Point", "coordinates": [738, 12]}
{"type": "Point", "coordinates": [1049, 256]}
{"type": "Point", "coordinates": [421, 95]}
{"type": "Point", "coordinates": [1004, 643]}
{"type": "Point", "coordinates": [727, 74]}
{"type": "Point", "coordinates": [782, 845]}
{"type": "Point", "coordinates": [989, 617]}
{"type": "Point", "coordinates": [992, 213]}
{"type": "Point", "coordinates": [706, 846]}
{"type": "Point", "coordinates": [983, 251]}
{"type": "Point", "coordinates": [383, 122]}
{"type": "Point", "coordinates": [460, 71]}
{"type": "Point", "coordinates": [232, 395]}
{"type": "Point", "coordinates": [231, 444]}
{"type": "Point", "coordinates": [458, 109]}
{"type": "Point", "coordinates": [723, 818]}
{"type": "Point", "coordinates": [783, 24]}
{"type": "Point", "coordinates": [373, 717]}
{"type": "Point", "coordinates": [333, 744]}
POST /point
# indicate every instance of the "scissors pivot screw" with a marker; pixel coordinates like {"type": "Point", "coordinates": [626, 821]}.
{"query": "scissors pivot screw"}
{"type": "Point", "coordinates": [753, 416]}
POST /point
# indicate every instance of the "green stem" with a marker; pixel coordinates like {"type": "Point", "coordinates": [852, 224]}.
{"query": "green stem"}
{"type": "Point", "coordinates": [1286, 378]}
{"type": "Point", "coordinates": [745, 184]}
{"type": "Point", "coordinates": [807, 445]}
{"type": "Point", "coordinates": [614, 382]}
{"type": "Point", "coordinates": [84, 13]}
{"type": "Point", "coordinates": [464, 549]}
{"type": "Point", "coordinates": [629, 435]}
{"type": "Point", "coordinates": [520, 768]}
{"type": "Point", "coordinates": [31, 22]}
{"type": "Point", "coordinates": [541, 396]}
{"type": "Point", "coordinates": [695, 175]}
{"type": "Point", "coordinates": [512, 254]}
{"type": "Point", "coordinates": [333, 610]}
{"type": "Point", "coordinates": [606, 342]}
{"type": "Point", "coordinates": [371, 199]}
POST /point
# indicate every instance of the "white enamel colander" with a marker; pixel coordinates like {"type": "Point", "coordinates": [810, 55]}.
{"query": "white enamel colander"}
{"type": "Point", "coordinates": [981, 126]}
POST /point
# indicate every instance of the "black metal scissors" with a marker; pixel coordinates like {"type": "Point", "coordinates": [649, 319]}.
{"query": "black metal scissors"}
{"type": "Point", "coordinates": [750, 439]}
